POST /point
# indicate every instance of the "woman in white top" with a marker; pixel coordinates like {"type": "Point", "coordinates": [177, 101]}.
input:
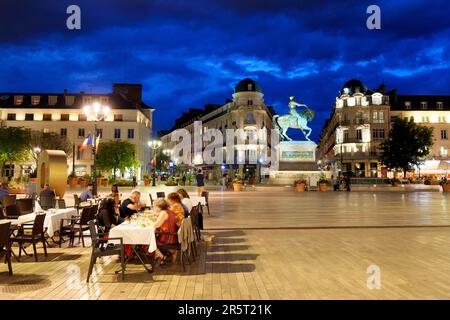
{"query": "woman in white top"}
{"type": "Point", "coordinates": [185, 199]}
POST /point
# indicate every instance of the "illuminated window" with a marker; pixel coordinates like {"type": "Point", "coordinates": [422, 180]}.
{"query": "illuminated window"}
{"type": "Point", "coordinates": [378, 117]}
{"type": "Point", "coordinates": [35, 100]}
{"type": "Point", "coordinates": [118, 117]}
{"type": "Point", "coordinates": [358, 134]}
{"type": "Point", "coordinates": [423, 105]}
{"type": "Point", "coordinates": [407, 104]}
{"type": "Point", "coordinates": [18, 100]}
{"type": "Point", "coordinates": [440, 105]}
{"type": "Point", "coordinates": [82, 117]}
{"type": "Point", "coordinates": [81, 133]}
{"type": "Point", "coordinates": [52, 100]}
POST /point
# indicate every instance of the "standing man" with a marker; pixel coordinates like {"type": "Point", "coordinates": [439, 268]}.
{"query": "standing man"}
{"type": "Point", "coordinates": [3, 191]}
{"type": "Point", "coordinates": [200, 182]}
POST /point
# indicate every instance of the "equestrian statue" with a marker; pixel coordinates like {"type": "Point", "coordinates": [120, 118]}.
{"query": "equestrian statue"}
{"type": "Point", "coordinates": [296, 120]}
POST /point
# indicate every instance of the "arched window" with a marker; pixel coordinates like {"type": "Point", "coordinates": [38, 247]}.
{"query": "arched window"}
{"type": "Point", "coordinates": [250, 117]}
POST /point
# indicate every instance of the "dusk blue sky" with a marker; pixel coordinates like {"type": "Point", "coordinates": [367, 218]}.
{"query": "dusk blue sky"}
{"type": "Point", "coordinates": [190, 53]}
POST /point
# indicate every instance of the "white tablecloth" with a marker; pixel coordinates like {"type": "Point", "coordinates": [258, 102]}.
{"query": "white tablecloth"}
{"type": "Point", "coordinates": [133, 234]}
{"type": "Point", "coordinates": [196, 199]}
{"type": "Point", "coordinates": [52, 220]}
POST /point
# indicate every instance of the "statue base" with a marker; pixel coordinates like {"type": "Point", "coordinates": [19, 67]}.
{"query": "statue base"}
{"type": "Point", "coordinates": [296, 160]}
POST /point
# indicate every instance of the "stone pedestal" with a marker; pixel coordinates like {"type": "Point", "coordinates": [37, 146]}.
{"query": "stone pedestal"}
{"type": "Point", "coordinates": [296, 159]}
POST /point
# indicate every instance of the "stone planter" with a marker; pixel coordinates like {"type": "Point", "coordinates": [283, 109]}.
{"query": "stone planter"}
{"type": "Point", "coordinates": [322, 187]}
{"type": "Point", "coordinates": [300, 187]}
{"type": "Point", "coordinates": [99, 182]}
{"type": "Point", "coordinates": [237, 187]}
{"type": "Point", "coordinates": [83, 183]}
{"type": "Point", "coordinates": [445, 187]}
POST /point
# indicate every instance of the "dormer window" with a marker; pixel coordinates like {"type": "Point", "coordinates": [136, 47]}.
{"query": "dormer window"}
{"type": "Point", "coordinates": [52, 100]}
{"type": "Point", "coordinates": [250, 87]}
{"type": "Point", "coordinates": [440, 105]}
{"type": "Point", "coordinates": [408, 105]}
{"type": "Point", "coordinates": [35, 100]}
{"type": "Point", "coordinates": [423, 105]}
{"type": "Point", "coordinates": [18, 100]}
{"type": "Point", "coordinates": [70, 100]}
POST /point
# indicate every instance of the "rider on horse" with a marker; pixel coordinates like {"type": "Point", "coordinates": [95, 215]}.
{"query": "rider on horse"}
{"type": "Point", "coordinates": [292, 108]}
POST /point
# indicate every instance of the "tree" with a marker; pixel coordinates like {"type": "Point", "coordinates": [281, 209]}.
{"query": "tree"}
{"type": "Point", "coordinates": [50, 141]}
{"type": "Point", "coordinates": [406, 146]}
{"type": "Point", "coordinates": [116, 155]}
{"type": "Point", "coordinates": [14, 145]}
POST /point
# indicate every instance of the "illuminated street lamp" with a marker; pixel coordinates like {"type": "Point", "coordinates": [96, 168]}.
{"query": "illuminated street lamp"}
{"type": "Point", "coordinates": [95, 113]}
{"type": "Point", "coordinates": [154, 145]}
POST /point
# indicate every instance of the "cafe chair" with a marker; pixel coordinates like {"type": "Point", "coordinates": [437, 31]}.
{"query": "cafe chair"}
{"type": "Point", "coordinates": [195, 217]}
{"type": "Point", "coordinates": [151, 199]}
{"type": "Point", "coordinates": [101, 248]}
{"type": "Point", "coordinates": [47, 202]}
{"type": "Point", "coordinates": [8, 200]}
{"type": "Point", "coordinates": [36, 236]}
{"type": "Point", "coordinates": [25, 205]}
{"type": "Point", "coordinates": [205, 194]}
{"type": "Point", "coordinates": [12, 211]}
{"type": "Point", "coordinates": [160, 195]}
{"type": "Point", "coordinates": [5, 245]}
{"type": "Point", "coordinates": [61, 203]}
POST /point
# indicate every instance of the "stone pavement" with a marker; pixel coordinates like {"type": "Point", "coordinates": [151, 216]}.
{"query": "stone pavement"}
{"type": "Point", "coordinates": [275, 245]}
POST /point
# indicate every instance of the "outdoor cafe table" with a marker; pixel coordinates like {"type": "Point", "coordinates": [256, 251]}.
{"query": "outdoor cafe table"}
{"type": "Point", "coordinates": [136, 234]}
{"type": "Point", "coordinates": [198, 199]}
{"type": "Point", "coordinates": [52, 219]}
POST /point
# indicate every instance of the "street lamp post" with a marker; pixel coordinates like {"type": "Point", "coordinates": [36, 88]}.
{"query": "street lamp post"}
{"type": "Point", "coordinates": [154, 145]}
{"type": "Point", "coordinates": [96, 113]}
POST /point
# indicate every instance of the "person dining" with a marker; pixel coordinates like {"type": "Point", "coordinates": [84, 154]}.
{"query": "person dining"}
{"type": "Point", "coordinates": [87, 193]}
{"type": "Point", "coordinates": [177, 207]}
{"type": "Point", "coordinates": [115, 194]}
{"type": "Point", "coordinates": [185, 199]}
{"type": "Point", "coordinates": [200, 177]}
{"type": "Point", "coordinates": [108, 215]}
{"type": "Point", "coordinates": [47, 192]}
{"type": "Point", "coordinates": [131, 205]}
{"type": "Point", "coordinates": [165, 222]}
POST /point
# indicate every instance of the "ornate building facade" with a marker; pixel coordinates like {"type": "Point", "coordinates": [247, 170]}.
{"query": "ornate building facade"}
{"type": "Point", "coordinates": [129, 119]}
{"type": "Point", "coordinates": [247, 110]}
{"type": "Point", "coordinates": [361, 119]}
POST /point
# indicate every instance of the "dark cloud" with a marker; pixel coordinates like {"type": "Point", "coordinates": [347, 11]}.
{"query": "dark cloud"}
{"type": "Point", "coordinates": [189, 53]}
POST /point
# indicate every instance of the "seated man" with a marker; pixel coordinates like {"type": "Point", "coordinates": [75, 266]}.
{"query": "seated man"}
{"type": "Point", "coordinates": [47, 191]}
{"type": "Point", "coordinates": [131, 205]}
{"type": "Point", "coordinates": [87, 193]}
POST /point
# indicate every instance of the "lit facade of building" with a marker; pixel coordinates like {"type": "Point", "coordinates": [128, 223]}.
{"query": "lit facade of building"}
{"type": "Point", "coordinates": [247, 110]}
{"type": "Point", "coordinates": [361, 120]}
{"type": "Point", "coordinates": [428, 110]}
{"type": "Point", "coordinates": [358, 124]}
{"type": "Point", "coordinates": [129, 119]}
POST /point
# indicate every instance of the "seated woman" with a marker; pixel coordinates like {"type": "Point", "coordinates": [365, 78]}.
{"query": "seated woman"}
{"type": "Point", "coordinates": [165, 222]}
{"type": "Point", "coordinates": [108, 215]}
{"type": "Point", "coordinates": [179, 209]}
{"type": "Point", "coordinates": [115, 194]}
{"type": "Point", "coordinates": [185, 199]}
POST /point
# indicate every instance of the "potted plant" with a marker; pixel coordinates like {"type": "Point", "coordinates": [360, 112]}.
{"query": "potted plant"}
{"type": "Point", "coordinates": [105, 182]}
{"type": "Point", "coordinates": [300, 184]}
{"type": "Point", "coordinates": [146, 179]}
{"type": "Point", "coordinates": [445, 184]}
{"type": "Point", "coordinates": [237, 183]}
{"type": "Point", "coordinates": [73, 180]}
{"type": "Point", "coordinates": [99, 179]}
{"type": "Point", "coordinates": [84, 181]}
{"type": "Point", "coordinates": [323, 183]}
